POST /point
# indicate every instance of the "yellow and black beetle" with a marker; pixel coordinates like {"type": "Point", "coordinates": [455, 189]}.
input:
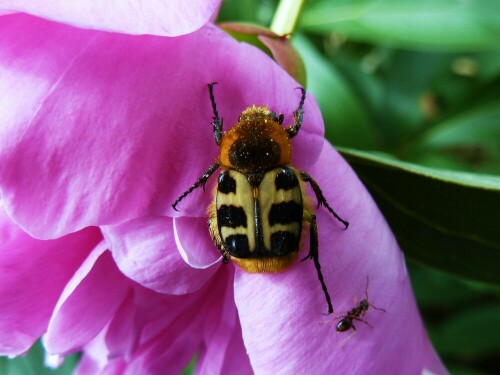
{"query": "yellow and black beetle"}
{"type": "Point", "coordinates": [260, 206]}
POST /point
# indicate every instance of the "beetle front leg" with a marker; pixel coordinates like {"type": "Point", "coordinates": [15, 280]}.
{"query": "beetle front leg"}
{"type": "Point", "coordinates": [321, 199]}
{"type": "Point", "coordinates": [200, 182]}
{"type": "Point", "coordinates": [314, 255]}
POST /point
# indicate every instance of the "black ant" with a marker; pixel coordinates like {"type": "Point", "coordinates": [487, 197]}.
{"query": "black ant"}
{"type": "Point", "coordinates": [356, 313]}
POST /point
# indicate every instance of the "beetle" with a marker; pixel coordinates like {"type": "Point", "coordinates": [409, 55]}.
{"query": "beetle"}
{"type": "Point", "coordinates": [260, 207]}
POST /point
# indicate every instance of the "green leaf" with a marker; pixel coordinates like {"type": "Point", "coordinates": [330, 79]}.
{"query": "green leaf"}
{"type": "Point", "coordinates": [247, 11]}
{"type": "Point", "coordinates": [402, 114]}
{"type": "Point", "coordinates": [435, 290]}
{"type": "Point", "coordinates": [444, 219]}
{"type": "Point", "coordinates": [471, 333]}
{"type": "Point", "coordinates": [465, 370]}
{"type": "Point", "coordinates": [471, 139]}
{"type": "Point", "coordinates": [346, 120]}
{"type": "Point", "coordinates": [451, 25]}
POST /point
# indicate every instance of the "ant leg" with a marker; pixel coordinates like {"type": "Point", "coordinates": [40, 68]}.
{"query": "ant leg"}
{"type": "Point", "coordinates": [297, 116]}
{"type": "Point", "coordinates": [361, 320]}
{"type": "Point", "coordinates": [366, 292]}
{"type": "Point", "coordinates": [321, 199]}
{"type": "Point", "coordinates": [200, 182]}
{"type": "Point", "coordinates": [377, 308]}
{"type": "Point", "coordinates": [216, 120]}
{"type": "Point", "coordinates": [338, 317]}
{"type": "Point", "coordinates": [348, 337]}
{"type": "Point", "coordinates": [313, 254]}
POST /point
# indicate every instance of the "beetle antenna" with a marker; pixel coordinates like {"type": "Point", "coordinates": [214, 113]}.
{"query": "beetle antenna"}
{"type": "Point", "coordinates": [216, 120]}
{"type": "Point", "coordinates": [297, 115]}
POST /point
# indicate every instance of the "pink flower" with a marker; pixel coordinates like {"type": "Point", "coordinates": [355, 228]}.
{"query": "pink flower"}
{"type": "Point", "coordinates": [100, 134]}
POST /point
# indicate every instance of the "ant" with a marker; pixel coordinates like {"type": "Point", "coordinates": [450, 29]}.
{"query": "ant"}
{"type": "Point", "coordinates": [356, 313]}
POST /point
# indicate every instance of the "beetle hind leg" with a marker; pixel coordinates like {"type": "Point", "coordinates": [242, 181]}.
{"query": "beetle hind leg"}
{"type": "Point", "coordinates": [314, 255]}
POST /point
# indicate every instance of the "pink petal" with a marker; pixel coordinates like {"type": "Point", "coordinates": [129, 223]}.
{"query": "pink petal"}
{"type": "Point", "coordinates": [171, 330]}
{"type": "Point", "coordinates": [87, 303]}
{"type": "Point", "coordinates": [95, 135]}
{"type": "Point", "coordinates": [95, 359]}
{"type": "Point", "coordinates": [34, 274]}
{"type": "Point", "coordinates": [190, 319]}
{"type": "Point", "coordinates": [194, 243]}
{"type": "Point", "coordinates": [122, 334]}
{"type": "Point", "coordinates": [145, 251]}
{"type": "Point", "coordinates": [283, 329]}
{"type": "Point", "coordinates": [223, 350]}
{"type": "Point", "coordinates": [157, 17]}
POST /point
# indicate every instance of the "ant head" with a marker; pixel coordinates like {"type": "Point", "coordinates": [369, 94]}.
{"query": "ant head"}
{"type": "Point", "coordinates": [364, 304]}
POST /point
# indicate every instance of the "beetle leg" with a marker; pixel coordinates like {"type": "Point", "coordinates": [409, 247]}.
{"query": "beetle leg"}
{"type": "Point", "coordinates": [278, 118]}
{"type": "Point", "coordinates": [216, 120]}
{"type": "Point", "coordinates": [321, 199]}
{"type": "Point", "coordinates": [297, 116]}
{"type": "Point", "coordinates": [200, 182]}
{"type": "Point", "coordinates": [314, 255]}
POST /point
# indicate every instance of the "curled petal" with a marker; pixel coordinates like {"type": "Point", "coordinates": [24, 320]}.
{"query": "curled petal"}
{"type": "Point", "coordinates": [194, 243]}
{"type": "Point", "coordinates": [34, 274]}
{"type": "Point", "coordinates": [299, 339]}
{"type": "Point", "coordinates": [156, 17]}
{"type": "Point", "coordinates": [145, 251]}
{"type": "Point", "coordinates": [95, 135]}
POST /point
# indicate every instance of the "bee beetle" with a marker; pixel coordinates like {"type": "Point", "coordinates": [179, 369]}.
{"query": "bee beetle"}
{"type": "Point", "coordinates": [260, 207]}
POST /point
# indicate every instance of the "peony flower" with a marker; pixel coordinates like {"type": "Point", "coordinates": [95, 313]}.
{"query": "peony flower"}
{"type": "Point", "coordinates": [100, 133]}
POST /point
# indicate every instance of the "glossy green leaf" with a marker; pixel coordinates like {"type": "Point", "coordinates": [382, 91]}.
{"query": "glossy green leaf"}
{"type": "Point", "coordinates": [444, 219]}
{"type": "Point", "coordinates": [425, 24]}
{"type": "Point", "coordinates": [346, 121]}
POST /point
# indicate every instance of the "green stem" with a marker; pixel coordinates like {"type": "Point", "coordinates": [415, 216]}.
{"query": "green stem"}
{"type": "Point", "coordinates": [286, 16]}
